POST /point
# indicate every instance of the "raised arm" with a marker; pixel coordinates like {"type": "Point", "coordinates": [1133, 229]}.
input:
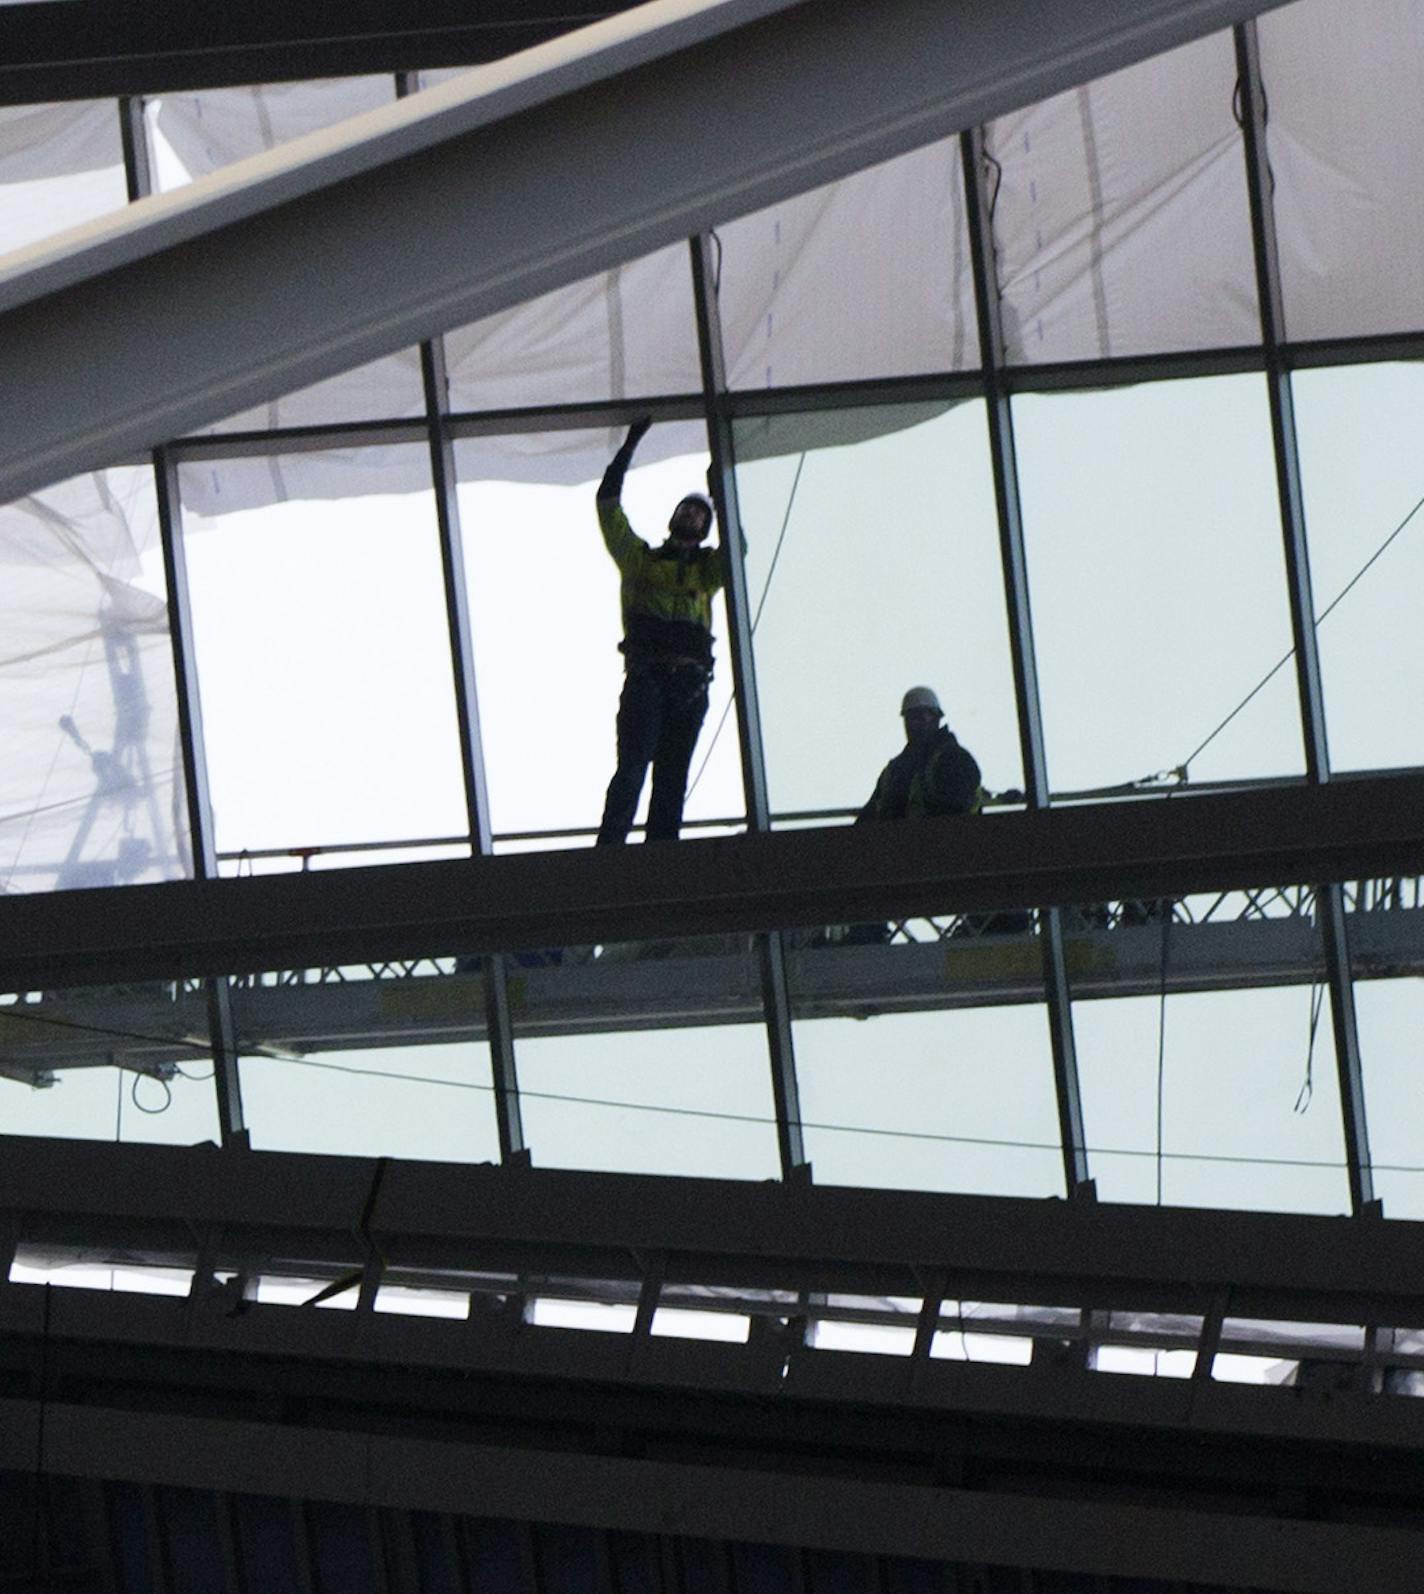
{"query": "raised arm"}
{"type": "Point", "coordinates": [610, 489]}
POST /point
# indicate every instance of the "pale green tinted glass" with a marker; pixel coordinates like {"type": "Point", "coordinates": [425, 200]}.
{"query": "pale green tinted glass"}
{"type": "Point", "coordinates": [1364, 506]}
{"type": "Point", "coordinates": [323, 660]}
{"type": "Point", "coordinates": [1249, 1109]}
{"type": "Point", "coordinates": [1157, 576]}
{"type": "Point", "coordinates": [959, 1100]}
{"type": "Point", "coordinates": [545, 613]}
{"type": "Point", "coordinates": [1390, 1014]}
{"type": "Point", "coordinates": [923, 1052]}
{"type": "Point", "coordinates": [120, 1062]}
{"type": "Point", "coordinates": [657, 1096]}
{"type": "Point", "coordinates": [873, 566]}
{"type": "Point", "coordinates": [380, 1061]}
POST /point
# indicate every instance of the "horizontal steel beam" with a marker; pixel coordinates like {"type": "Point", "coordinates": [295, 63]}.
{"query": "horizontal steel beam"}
{"type": "Point", "coordinates": [1235, 1546]}
{"type": "Point", "coordinates": [1106, 851]}
{"type": "Point", "coordinates": [580, 154]}
{"type": "Point", "coordinates": [595, 1225]}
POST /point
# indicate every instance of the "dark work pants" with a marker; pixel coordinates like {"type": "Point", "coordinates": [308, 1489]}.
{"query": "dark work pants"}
{"type": "Point", "coordinates": [659, 717]}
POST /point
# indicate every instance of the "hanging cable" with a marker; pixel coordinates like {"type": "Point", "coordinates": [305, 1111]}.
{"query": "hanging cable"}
{"type": "Point", "coordinates": [756, 620]}
{"type": "Point", "coordinates": [1307, 1089]}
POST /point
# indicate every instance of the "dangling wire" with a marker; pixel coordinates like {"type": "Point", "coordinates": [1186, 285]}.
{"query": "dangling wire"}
{"type": "Point", "coordinates": [1307, 1089]}
{"type": "Point", "coordinates": [756, 619]}
{"type": "Point", "coordinates": [151, 1112]}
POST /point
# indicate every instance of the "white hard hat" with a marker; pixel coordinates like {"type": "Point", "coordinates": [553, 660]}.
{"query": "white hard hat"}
{"type": "Point", "coordinates": [920, 697]}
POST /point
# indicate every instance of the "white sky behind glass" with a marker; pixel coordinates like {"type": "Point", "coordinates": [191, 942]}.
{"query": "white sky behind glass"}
{"type": "Point", "coordinates": [1363, 474]}
{"type": "Point", "coordinates": [1157, 576]}
{"type": "Point", "coordinates": [545, 615]}
{"type": "Point", "coordinates": [722, 1071]}
{"type": "Point", "coordinates": [324, 671]}
{"type": "Point", "coordinates": [963, 1075]}
{"type": "Point", "coordinates": [441, 1108]}
{"type": "Point", "coordinates": [1234, 1065]}
{"type": "Point", "coordinates": [888, 577]}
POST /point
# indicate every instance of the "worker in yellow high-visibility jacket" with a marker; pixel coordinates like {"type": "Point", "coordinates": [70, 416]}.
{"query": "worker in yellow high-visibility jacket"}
{"type": "Point", "coordinates": [667, 650]}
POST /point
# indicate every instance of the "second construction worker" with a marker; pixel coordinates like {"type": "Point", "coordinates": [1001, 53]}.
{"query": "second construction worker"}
{"type": "Point", "coordinates": [667, 652]}
{"type": "Point", "coordinates": [931, 774]}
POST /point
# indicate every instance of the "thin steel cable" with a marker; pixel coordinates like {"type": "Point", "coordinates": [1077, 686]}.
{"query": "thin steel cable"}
{"type": "Point", "coordinates": [1320, 618]}
{"type": "Point", "coordinates": [756, 619]}
{"type": "Point", "coordinates": [707, 1113]}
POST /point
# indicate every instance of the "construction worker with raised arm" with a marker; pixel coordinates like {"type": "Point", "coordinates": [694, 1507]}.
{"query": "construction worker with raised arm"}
{"type": "Point", "coordinates": [667, 651]}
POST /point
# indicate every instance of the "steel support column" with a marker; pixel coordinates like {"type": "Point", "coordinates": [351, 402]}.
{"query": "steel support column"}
{"type": "Point", "coordinates": [979, 213]}
{"type": "Point", "coordinates": [722, 478]}
{"type": "Point", "coordinates": [445, 480]}
{"type": "Point", "coordinates": [203, 863]}
{"type": "Point", "coordinates": [1334, 937]}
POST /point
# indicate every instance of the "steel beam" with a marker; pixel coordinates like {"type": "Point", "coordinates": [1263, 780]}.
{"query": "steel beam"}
{"type": "Point", "coordinates": [1014, 563]}
{"type": "Point", "coordinates": [722, 478]}
{"type": "Point", "coordinates": [1310, 687]}
{"type": "Point", "coordinates": [202, 839]}
{"type": "Point", "coordinates": [582, 153]}
{"type": "Point", "coordinates": [1347, 830]}
{"type": "Point", "coordinates": [289, 1207]}
{"type": "Point", "coordinates": [1237, 1545]}
{"type": "Point", "coordinates": [499, 1027]}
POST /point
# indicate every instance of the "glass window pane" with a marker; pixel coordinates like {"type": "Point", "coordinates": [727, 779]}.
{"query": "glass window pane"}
{"type": "Point", "coordinates": [869, 276]}
{"type": "Point", "coordinates": [91, 788]}
{"type": "Point", "coordinates": [60, 166]}
{"type": "Point", "coordinates": [909, 1079]}
{"type": "Point", "coordinates": [1157, 575]}
{"type": "Point", "coordinates": [1359, 466]}
{"type": "Point", "coordinates": [115, 1062]}
{"type": "Point", "coordinates": [1344, 84]}
{"type": "Point", "coordinates": [545, 613]}
{"type": "Point", "coordinates": [873, 566]}
{"type": "Point", "coordinates": [379, 1061]}
{"type": "Point", "coordinates": [658, 1095]}
{"type": "Point", "coordinates": [626, 333]}
{"type": "Point", "coordinates": [1120, 213]}
{"type": "Point", "coordinates": [905, 1104]}
{"type": "Point", "coordinates": [1244, 1080]}
{"type": "Point", "coordinates": [324, 664]}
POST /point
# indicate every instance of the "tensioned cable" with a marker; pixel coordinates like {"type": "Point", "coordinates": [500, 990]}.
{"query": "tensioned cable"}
{"type": "Point", "coordinates": [756, 618]}
{"type": "Point", "coordinates": [1324, 614]}
{"type": "Point", "coordinates": [714, 1115]}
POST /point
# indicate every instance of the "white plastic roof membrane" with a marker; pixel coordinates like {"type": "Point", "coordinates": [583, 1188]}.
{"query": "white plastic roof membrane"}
{"type": "Point", "coordinates": [1345, 93]}
{"type": "Point", "coordinates": [867, 277]}
{"type": "Point", "coordinates": [88, 794]}
{"type": "Point", "coordinates": [59, 165]}
{"type": "Point", "coordinates": [1121, 216]}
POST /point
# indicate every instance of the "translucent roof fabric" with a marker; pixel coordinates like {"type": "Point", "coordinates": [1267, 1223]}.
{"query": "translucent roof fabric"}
{"type": "Point", "coordinates": [90, 788]}
{"type": "Point", "coordinates": [1344, 89]}
{"type": "Point", "coordinates": [1120, 214]}
{"type": "Point", "coordinates": [867, 277]}
{"type": "Point", "coordinates": [60, 165]}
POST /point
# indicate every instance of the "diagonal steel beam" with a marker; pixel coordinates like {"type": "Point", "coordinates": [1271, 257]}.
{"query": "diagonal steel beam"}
{"type": "Point", "coordinates": [517, 179]}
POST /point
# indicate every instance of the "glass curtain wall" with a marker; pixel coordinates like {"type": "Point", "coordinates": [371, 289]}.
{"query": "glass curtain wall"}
{"type": "Point", "coordinates": [888, 528]}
